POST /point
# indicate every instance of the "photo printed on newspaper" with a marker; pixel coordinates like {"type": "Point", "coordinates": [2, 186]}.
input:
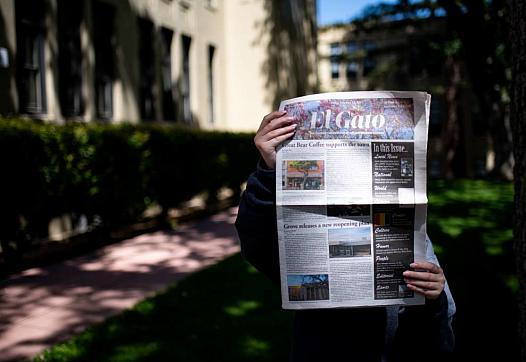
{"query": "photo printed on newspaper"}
{"type": "Point", "coordinates": [351, 198]}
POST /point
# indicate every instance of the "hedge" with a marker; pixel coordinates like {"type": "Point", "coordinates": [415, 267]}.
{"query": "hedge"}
{"type": "Point", "coordinates": [109, 172]}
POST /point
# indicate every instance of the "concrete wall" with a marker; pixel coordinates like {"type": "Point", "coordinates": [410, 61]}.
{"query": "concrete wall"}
{"type": "Point", "coordinates": [246, 45]}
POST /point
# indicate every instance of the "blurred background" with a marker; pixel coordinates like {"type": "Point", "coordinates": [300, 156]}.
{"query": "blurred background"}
{"type": "Point", "coordinates": [119, 117]}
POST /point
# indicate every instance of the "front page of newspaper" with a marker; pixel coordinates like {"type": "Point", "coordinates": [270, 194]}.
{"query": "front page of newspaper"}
{"type": "Point", "coordinates": [351, 198]}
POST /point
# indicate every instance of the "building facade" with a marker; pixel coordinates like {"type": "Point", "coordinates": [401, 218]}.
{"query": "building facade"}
{"type": "Point", "coordinates": [405, 55]}
{"type": "Point", "coordinates": [303, 175]}
{"type": "Point", "coordinates": [385, 55]}
{"type": "Point", "coordinates": [195, 62]}
{"type": "Point", "coordinates": [349, 248]}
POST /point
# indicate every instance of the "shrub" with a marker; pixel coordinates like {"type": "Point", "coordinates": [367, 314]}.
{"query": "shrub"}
{"type": "Point", "coordinates": [110, 171]}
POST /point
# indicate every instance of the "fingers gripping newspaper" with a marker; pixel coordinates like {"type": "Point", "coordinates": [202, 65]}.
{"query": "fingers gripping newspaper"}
{"type": "Point", "coordinates": [351, 198]}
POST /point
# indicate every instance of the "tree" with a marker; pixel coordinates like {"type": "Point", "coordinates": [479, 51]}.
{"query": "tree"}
{"type": "Point", "coordinates": [304, 166]}
{"type": "Point", "coordinates": [517, 11]}
{"type": "Point", "coordinates": [482, 65]}
{"type": "Point", "coordinates": [429, 53]}
{"type": "Point", "coordinates": [320, 280]}
{"type": "Point", "coordinates": [487, 65]}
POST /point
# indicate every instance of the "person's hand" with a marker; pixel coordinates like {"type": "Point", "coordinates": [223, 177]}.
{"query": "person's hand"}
{"type": "Point", "coordinates": [429, 280]}
{"type": "Point", "coordinates": [275, 128]}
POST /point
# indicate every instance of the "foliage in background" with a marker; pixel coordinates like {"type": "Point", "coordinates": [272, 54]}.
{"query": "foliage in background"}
{"type": "Point", "coordinates": [109, 173]}
{"type": "Point", "coordinates": [470, 65]}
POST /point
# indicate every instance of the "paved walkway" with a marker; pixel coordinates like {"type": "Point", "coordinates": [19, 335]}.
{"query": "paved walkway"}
{"type": "Point", "coordinates": [42, 306]}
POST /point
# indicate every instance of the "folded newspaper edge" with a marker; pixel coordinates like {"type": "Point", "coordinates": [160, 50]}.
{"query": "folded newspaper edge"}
{"type": "Point", "coordinates": [351, 198]}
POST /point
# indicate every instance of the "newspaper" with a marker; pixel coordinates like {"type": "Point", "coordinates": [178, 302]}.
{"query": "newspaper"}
{"type": "Point", "coordinates": [351, 198]}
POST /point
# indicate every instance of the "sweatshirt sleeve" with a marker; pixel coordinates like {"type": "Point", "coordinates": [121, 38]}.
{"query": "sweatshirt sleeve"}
{"type": "Point", "coordinates": [425, 332]}
{"type": "Point", "coordinates": [256, 223]}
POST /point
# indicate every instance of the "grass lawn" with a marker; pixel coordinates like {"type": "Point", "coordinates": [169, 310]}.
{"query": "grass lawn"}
{"type": "Point", "coordinates": [231, 313]}
{"type": "Point", "coordinates": [228, 312]}
{"type": "Point", "coordinates": [470, 224]}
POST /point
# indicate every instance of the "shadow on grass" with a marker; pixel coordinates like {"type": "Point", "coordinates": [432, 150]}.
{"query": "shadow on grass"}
{"type": "Point", "coordinates": [228, 312]}
{"type": "Point", "coordinates": [470, 223]}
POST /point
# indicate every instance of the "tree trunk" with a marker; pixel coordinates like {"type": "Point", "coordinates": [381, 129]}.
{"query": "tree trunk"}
{"type": "Point", "coordinates": [474, 20]}
{"type": "Point", "coordinates": [305, 174]}
{"type": "Point", "coordinates": [518, 122]}
{"type": "Point", "coordinates": [451, 130]}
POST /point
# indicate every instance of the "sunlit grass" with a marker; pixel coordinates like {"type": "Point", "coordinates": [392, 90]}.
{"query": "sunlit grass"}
{"type": "Point", "coordinates": [225, 313]}
{"type": "Point", "coordinates": [458, 206]}
{"type": "Point", "coordinates": [470, 223]}
{"type": "Point", "coordinates": [242, 308]}
{"type": "Point", "coordinates": [254, 347]}
{"type": "Point", "coordinates": [134, 352]}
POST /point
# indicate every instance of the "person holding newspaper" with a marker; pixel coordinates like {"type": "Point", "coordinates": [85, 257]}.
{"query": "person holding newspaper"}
{"type": "Point", "coordinates": [393, 333]}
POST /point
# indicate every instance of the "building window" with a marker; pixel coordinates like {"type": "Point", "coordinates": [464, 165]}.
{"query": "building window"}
{"type": "Point", "coordinates": [166, 72]}
{"type": "Point", "coordinates": [212, 4]}
{"type": "Point", "coordinates": [104, 44]}
{"type": "Point", "coordinates": [369, 45]}
{"type": "Point", "coordinates": [351, 70]}
{"type": "Point", "coordinates": [352, 47]}
{"type": "Point", "coordinates": [211, 53]}
{"type": "Point", "coordinates": [70, 58]}
{"type": "Point", "coordinates": [335, 53]}
{"type": "Point", "coordinates": [335, 50]}
{"type": "Point", "coordinates": [368, 63]}
{"type": "Point", "coordinates": [185, 85]}
{"type": "Point", "coordinates": [147, 65]}
{"type": "Point", "coordinates": [368, 66]}
{"type": "Point", "coordinates": [30, 60]}
{"type": "Point", "coordinates": [335, 69]}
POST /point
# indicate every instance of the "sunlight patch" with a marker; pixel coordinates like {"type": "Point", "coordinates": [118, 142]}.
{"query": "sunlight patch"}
{"type": "Point", "coordinates": [134, 352]}
{"type": "Point", "coordinates": [251, 269]}
{"type": "Point", "coordinates": [242, 308]}
{"type": "Point", "coordinates": [512, 282]}
{"type": "Point", "coordinates": [254, 347]}
{"type": "Point", "coordinates": [455, 225]}
{"type": "Point", "coordinates": [145, 307]}
{"type": "Point", "coordinates": [63, 352]}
